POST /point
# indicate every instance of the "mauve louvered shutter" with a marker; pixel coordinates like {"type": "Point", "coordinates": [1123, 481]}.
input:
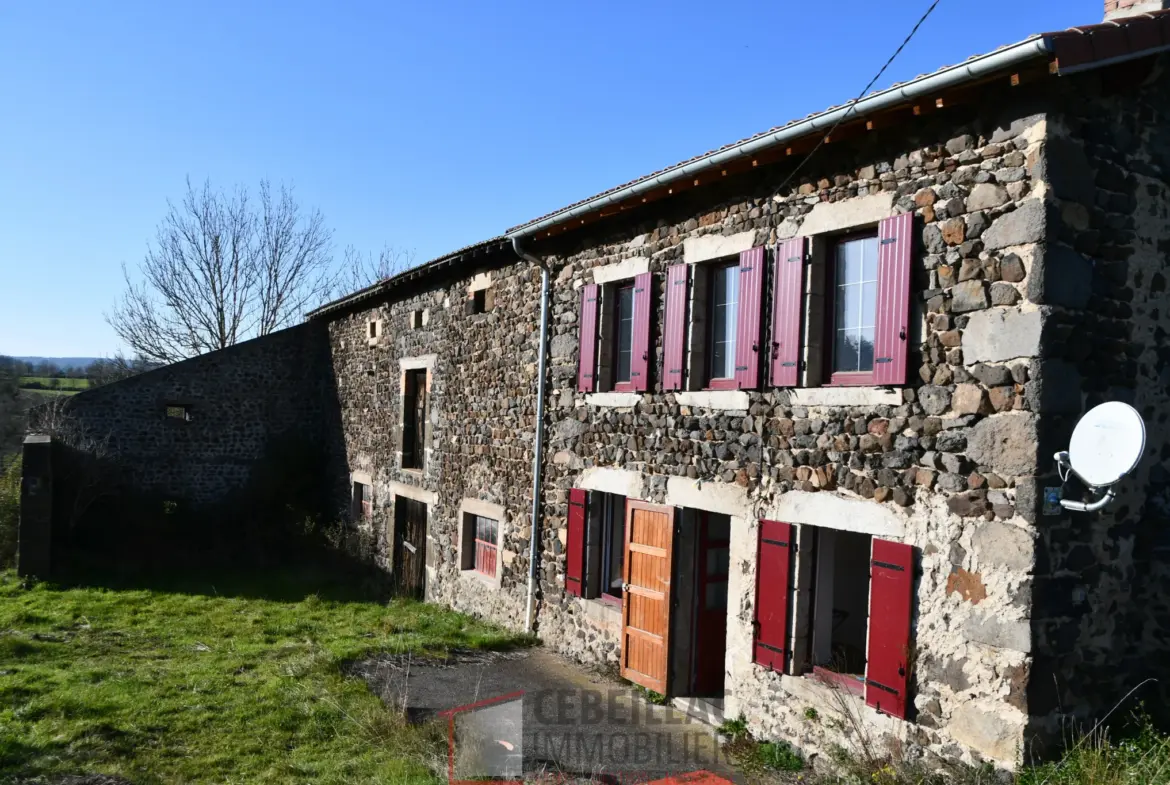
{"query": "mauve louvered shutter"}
{"type": "Point", "coordinates": [787, 299]}
{"type": "Point", "coordinates": [587, 354]}
{"type": "Point", "coordinates": [747, 339]}
{"type": "Point", "coordinates": [773, 576]}
{"type": "Point", "coordinates": [674, 332]}
{"type": "Point", "coordinates": [640, 354]}
{"type": "Point", "coordinates": [891, 333]}
{"type": "Point", "coordinates": [891, 594]}
{"type": "Point", "coordinates": [575, 543]}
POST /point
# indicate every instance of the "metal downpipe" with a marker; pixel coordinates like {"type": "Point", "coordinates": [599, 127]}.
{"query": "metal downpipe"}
{"type": "Point", "coordinates": [538, 447]}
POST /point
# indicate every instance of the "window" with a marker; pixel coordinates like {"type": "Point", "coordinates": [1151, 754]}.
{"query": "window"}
{"type": "Point", "coordinates": [615, 336]}
{"type": "Point", "coordinates": [854, 292]}
{"type": "Point", "coordinates": [839, 601]}
{"type": "Point", "coordinates": [596, 544]}
{"type": "Point", "coordinates": [414, 418]}
{"type": "Point", "coordinates": [487, 533]}
{"type": "Point", "coordinates": [623, 333]}
{"type": "Point", "coordinates": [363, 502]}
{"type": "Point", "coordinates": [178, 412]}
{"type": "Point", "coordinates": [711, 334]}
{"type": "Point", "coordinates": [724, 312]}
{"type": "Point", "coordinates": [851, 595]}
{"type": "Point", "coordinates": [373, 329]}
{"type": "Point", "coordinates": [416, 320]}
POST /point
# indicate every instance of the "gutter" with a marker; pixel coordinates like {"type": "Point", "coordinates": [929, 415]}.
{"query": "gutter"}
{"type": "Point", "coordinates": [538, 446]}
{"type": "Point", "coordinates": [975, 68]}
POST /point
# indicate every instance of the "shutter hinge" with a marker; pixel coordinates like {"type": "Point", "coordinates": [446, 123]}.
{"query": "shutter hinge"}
{"type": "Point", "coordinates": [636, 290]}
{"type": "Point", "coordinates": [741, 367]}
{"type": "Point", "coordinates": [881, 686]}
{"type": "Point", "coordinates": [796, 258]}
{"type": "Point", "coordinates": [889, 566]}
{"type": "Point", "coordinates": [789, 364]}
{"type": "Point", "coordinates": [889, 240]}
{"type": "Point", "coordinates": [884, 360]}
{"type": "Point", "coordinates": [747, 269]}
{"type": "Point", "coordinates": [681, 282]}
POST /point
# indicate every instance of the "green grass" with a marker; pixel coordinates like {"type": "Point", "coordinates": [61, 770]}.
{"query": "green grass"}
{"type": "Point", "coordinates": [63, 383]}
{"type": "Point", "coordinates": [224, 680]}
{"type": "Point", "coordinates": [36, 391]}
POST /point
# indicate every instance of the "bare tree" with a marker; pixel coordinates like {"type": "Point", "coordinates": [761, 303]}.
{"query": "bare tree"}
{"type": "Point", "coordinates": [88, 474]}
{"type": "Point", "coordinates": [222, 270]}
{"type": "Point", "coordinates": [114, 369]}
{"type": "Point", "coordinates": [359, 270]}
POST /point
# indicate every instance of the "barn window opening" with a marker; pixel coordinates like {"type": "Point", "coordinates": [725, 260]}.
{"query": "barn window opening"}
{"type": "Point", "coordinates": [178, 412]}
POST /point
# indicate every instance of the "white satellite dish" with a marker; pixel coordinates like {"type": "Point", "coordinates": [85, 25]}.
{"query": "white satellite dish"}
{"type": "Point", "coordinates": [1106, 445]}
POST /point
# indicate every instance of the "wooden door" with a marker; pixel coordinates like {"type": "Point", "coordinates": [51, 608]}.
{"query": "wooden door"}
{"type": "Point", "coordinates": [711, 612]}
{"type": "Point", "coordinates": [410, 546]}
{"type": "Point", "coordinates": [646, 599]}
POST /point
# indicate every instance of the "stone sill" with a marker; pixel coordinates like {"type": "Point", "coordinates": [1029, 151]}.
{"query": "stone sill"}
{"type": "Point", "coordinates": [616, 400]}
{"type": "Point", "coordinates": [844, 396]}
{"type": "Point", "coordinates": [725, 400]}
{"type": "Point", "coordinates": [480, 578]}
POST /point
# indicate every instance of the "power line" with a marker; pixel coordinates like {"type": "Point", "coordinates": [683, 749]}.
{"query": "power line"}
{"type": "Point", "coordinates": [862, 94]}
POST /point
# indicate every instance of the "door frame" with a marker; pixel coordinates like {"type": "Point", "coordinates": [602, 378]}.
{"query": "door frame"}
{"type": "Point", "coordinates": [660, 686]}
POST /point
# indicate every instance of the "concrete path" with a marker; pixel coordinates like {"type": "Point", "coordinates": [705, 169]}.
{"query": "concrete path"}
{"type": "Point", "coordinates": [534, 710]}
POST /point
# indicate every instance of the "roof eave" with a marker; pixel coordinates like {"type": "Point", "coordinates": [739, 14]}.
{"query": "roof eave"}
{"type": "Point", "coordinates": [971, 70]}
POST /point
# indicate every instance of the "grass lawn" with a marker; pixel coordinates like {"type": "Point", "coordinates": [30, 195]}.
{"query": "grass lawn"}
{"type": "Point", "coordinates": [63, 383]}
{"type": "Point", "coordinates": [223, 679]}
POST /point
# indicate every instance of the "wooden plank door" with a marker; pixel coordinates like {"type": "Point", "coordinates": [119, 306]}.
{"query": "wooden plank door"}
{"type": "Point", "coordinates": [646, 599]}
{"type": "Point", "coordinates": [410, 546]}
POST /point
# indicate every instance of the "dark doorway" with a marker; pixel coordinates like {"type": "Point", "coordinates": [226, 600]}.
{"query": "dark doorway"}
{"type": "Point", "coordinates": [711, 571]}
{"type": "Point", "coordinates": [410, 546]}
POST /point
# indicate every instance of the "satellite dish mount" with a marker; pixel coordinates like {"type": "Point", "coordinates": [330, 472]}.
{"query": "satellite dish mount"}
{"type": "Point", "coordinates": [1106, 445]}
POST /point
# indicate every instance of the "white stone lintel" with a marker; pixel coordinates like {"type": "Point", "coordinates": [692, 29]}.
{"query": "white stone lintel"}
{"type": "Point", "coordinates": [722, 497]}
{"type": "Point", "coordinates": [857, 213]}
{"type": "Point", "coordinates": [716, 246]}
{"type": "Point", "coordinates": [479, 507]}
{"type": "Point", "coordinates": [620, 271]}
{"type": "Point", "coordinates": [412, 492]}
{"type": "Point", "coordinates": [618, 481]}
{"type": "Point", "coordinates": [831, 511]}
{"type": "Point", "coordinates": [422, 361]}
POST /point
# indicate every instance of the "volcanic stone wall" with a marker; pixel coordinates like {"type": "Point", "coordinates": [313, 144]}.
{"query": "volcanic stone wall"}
{"type": "Point", "coordinates": [946, 463]}
{"type": "Point", "coordinates": [482, 419]}
{"type": "Point", "coordinates": [237, 404]}
{"type": "Point", "coordinates": [1102, 586]}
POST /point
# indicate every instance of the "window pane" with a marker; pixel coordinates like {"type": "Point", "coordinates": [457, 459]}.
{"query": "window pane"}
{"type": "Point", "coordinates": [617, 544]}
{"type": "Point", "coordinates": [625, 331]}
{"type": "Point", "coordinates": [845, 351]}
{"type": "Point", "coordinates": [868, 297]}
{"type": "Point", "coordinates": [724, 318]}
{"type": "Point", "coordinates": [865, 358]}
{"type": "Point", "coordinates": [855, 290]}
{"type": "Point", "coordinates": [716, 598]}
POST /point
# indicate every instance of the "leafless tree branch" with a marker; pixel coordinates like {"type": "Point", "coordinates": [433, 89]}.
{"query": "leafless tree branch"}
{"type": "Point", "coordinates": [359, 270]}
{"type": "Point", "coordinates": [223, 269]}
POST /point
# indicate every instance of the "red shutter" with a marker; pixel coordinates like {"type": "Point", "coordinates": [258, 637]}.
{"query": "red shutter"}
{"type": "Point", "coordinates": [787, 302]}
{"type": "Point", "coordinates": [773, 576]}
{"type": "Point", "coordinates": [575, 543]}
{"type": "Point", "coordinates": [891, 333]}
{"type": "Point", "coordinates": [640, 354]}
{"type": "Point", "coordinates": [674, 332]}
{"type": "Point", "coordinates": [891, 590]}
{"type": "Point", "coordinates": [747, 326]}
{"type": "Point", "coordinates": [587, 356]}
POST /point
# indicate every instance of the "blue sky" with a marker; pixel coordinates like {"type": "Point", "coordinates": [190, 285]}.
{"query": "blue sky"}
{"type": "Point", "coordinates": [426, 126]}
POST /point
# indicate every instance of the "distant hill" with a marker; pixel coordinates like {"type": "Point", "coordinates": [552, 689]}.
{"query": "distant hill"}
{"type": "Point", "coordinates": [65, 363]}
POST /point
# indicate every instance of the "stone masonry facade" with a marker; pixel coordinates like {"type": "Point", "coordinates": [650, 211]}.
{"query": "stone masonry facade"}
{"type": "Point", "coordinates": [1038, 289]}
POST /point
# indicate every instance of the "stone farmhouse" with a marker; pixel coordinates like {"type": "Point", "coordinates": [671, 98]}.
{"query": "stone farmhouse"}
{"type": "Point", "coordinates": [766, 438]}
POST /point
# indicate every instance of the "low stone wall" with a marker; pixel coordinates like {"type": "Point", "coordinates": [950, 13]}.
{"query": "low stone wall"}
{"type": "Point", "coordinates": [235, 405]}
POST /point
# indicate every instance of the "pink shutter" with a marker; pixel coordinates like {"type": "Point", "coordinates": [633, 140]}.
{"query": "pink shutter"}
{"type": "Point", "coordinates": [787, 302]}
{"type": "Point", "coordinates": [640, 354]}
{"type": "Point", "coordinates": [575, 543]}
{"type": "Point", "coordinates": [747, 339]}
{"type": "Point", "coordinates": [674, 332]}
{"type": "Point", "coordinates": [891, 333]}
{"type": "Point", "coordinates": [587, 355]}
{"type": "Point", "coordinates": [891, 594]}
{"type": "Point", "coordinates": [773, 576]}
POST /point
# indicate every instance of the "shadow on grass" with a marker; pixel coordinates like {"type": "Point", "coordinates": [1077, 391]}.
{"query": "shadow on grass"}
{"type": "Point", "coordinates": [330, 579]}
